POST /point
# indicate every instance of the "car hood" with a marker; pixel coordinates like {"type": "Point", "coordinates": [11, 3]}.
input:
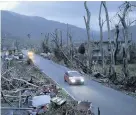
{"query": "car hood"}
{"type": "Point", "coordinates": [76, 78]}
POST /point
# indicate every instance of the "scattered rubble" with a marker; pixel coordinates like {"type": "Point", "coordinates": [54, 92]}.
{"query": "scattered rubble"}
{"type": "Point", "coordinates": [98, 75]}
{"type": "Point", "coordinates": [23, 84]}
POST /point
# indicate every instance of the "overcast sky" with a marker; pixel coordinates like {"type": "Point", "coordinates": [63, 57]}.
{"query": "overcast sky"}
{"type": "Point", "coordinates": [66, 12]}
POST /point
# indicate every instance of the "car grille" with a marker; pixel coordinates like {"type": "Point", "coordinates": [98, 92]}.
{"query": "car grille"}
{"type": "Point", "coordinates": [78, 80]}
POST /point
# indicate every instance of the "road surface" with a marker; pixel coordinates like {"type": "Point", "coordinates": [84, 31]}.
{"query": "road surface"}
{"type": "Point", "coordinates": [110, 101]}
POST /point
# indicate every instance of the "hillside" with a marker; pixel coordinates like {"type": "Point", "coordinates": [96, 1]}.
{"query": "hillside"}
{"type": "Point", "coordinates": [132, 31]}
{"type": "Point", "coordinates": [16, 27]}
{"type": "Point", "coordinates": [21, 25]}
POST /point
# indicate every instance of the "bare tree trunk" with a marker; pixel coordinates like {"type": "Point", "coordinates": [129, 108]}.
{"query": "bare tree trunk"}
{"type": "Point", "coordinates": [6, 99]}
{"type": "Point", "coordinates": [67, 35]}
{"type": "Point", "coordinates": [112, 68]}
{"type": "Point", "coordinates": [125, 53]}
{"type": "Point", "coordinates": [87, 23]}
{"type": "Point", "coordinates": [101, 37]}
{"type": "Point", "coordinates": [29, 36]}
{"type": "Point", "coordinates": [58, 48]}
{"type": "Point", "coordinates": [57, 36]}
{"type": "Point", "coordinates": [98, 111]}
{"type": "Point", "coordinates": [17, 45]}
{"type": "Point", "coordinates": [71, 48]}
{"type": "Point", "coordinates": [61, 39]}
{"type": "Point", "coordinates": [116, 43]}
{"type": "Point", "coordinates": [47, 39]}
{"type": "Point", "coordinates": [19, 99]}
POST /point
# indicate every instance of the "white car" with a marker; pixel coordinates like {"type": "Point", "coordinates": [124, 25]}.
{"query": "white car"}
{"type": "Point", "coordinates": [73, 77]}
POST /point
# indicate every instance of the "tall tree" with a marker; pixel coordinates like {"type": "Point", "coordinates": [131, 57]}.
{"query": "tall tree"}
{"type": "Point", "coordinates": [87, 23]}
{"type": "Point", "coordinates": [47, 37]}
{"type": "Point", "coordinates": [17, 44]}
{"type": "Point", "coordinates": [116, 43]}
{"type": "Point", "coordinates": [67, 35]}
{"type": "Point", "coordinates": [101, 36]}
{"type": "Point", "coordinates": [112, 67]}
{"type": "Point", "coordinates": [45, 44]}
{"type": "Point", "coordinates": [29, 36]}
{"type": "Point", "coordinates": [71, 47]}
{"type": "Point", "coordinates": [43, 47]}
{"type": "Point", "coordinates": [126, 37]}
{"type": "Point", "coordinates": [61, 41]}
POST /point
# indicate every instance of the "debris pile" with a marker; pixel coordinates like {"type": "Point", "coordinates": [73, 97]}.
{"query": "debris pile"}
{"type": "Point", "coordinates": [27, 90]}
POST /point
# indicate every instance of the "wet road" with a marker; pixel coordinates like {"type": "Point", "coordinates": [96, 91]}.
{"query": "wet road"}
{"type": "Point", "coordinates": [110, 101]}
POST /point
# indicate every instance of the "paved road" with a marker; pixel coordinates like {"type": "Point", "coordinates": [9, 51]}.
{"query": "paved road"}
{"type": "Point", "coordinates": [111, 102]}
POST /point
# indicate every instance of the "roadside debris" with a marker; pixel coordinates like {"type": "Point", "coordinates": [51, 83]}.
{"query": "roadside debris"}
{"type": "Point", "coordinates": [40, 100]}
{"type": "Point", "coordinates": [85, 107]}
{"type": "Point", "coordinates": [28, 91]}
{"type": "Point", "coordinates": [98, 75]}
{"type": "Point", "coordinates": [39, 104]}
{"type": "Point", "coordinates": [58, 101]}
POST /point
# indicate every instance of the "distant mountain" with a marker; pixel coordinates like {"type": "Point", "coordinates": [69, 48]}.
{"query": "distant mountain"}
{"type": "Point", "coordinates": [21, 25]}
{"type": "Point", "coordinates": [132, 33]}
{"type": "Point", "coordinates": [16, 27]}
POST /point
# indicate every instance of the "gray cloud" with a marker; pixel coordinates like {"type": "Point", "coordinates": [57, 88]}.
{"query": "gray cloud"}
{"type": "Point", "coordinates": [66, 12]}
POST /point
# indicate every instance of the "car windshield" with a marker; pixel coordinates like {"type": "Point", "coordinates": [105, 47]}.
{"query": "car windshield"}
{"type": "Point", "coordinates": [74, 73]}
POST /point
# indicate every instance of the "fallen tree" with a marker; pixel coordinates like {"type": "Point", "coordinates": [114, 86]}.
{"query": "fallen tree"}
{"type": "Point", "coordinates": [28, 84]}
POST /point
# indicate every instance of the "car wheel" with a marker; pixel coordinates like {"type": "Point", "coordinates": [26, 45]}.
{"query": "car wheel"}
{"type": "Point", "coordinates": [83, 83]}
{"type": "Point", "coordinates": [70, 84]}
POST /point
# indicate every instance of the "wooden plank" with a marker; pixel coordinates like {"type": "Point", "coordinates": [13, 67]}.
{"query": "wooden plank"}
{"type": "Point", "coordinates": [19, 99]}
{"type": "Point", "coordinates": [58, 100]}
{"type": "Point", "coordinates": [15, 108]}
{"type": "Point", "coordinates": [61, 102]}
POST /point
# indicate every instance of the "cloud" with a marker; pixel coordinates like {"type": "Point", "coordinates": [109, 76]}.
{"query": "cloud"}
{"type": "Point", "coordinates": [8, 5]}
{"type": "Point", "coordinates": [68, 12]}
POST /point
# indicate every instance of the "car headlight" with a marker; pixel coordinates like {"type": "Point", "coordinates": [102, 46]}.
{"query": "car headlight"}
{"type": "Point", "coordinates": [82, 80]}
{"type": "Point", "coordinates": [30, 53]}
{"type": "Point", "coordinates": [73, 80]}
